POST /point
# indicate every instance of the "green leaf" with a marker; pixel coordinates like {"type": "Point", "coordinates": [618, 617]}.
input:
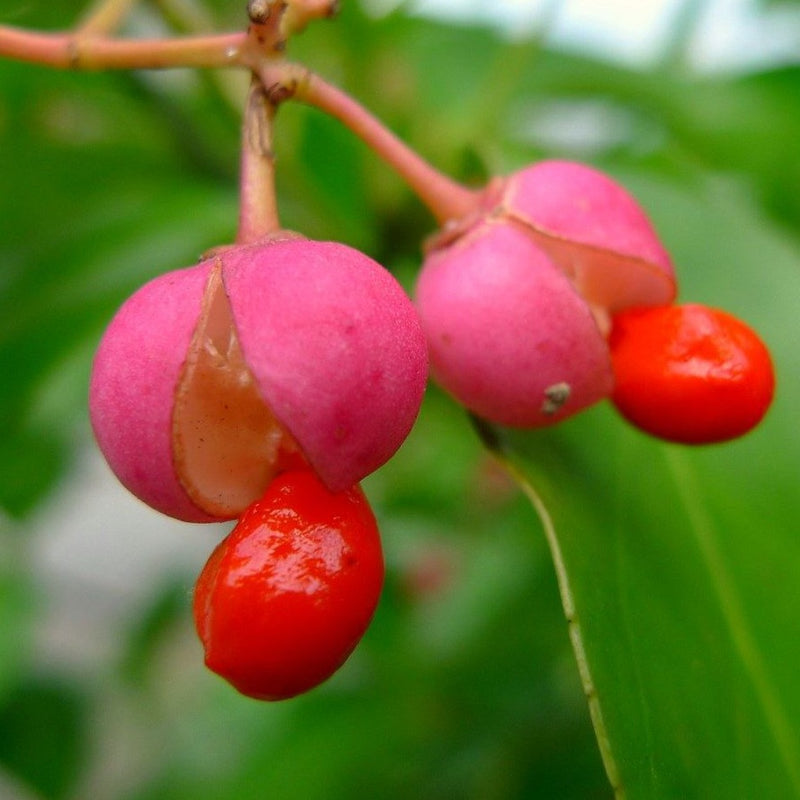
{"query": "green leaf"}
{"type": "Point", "coordinates": [677, 566]}
{"type": "Point", "coordinates": [43, 736]}
{"type": "Point", "coordinates": [17, 607]}
{"type": "Point", "coordinates": [38, 459]}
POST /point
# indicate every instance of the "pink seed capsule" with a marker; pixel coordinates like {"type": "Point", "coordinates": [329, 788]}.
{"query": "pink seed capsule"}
{"type": "Point", "coordinates": [509, 336]}
{"type": "Point", "coordinates": [211, 379]}
{"type": "Point", "coordinates": [593, 229]}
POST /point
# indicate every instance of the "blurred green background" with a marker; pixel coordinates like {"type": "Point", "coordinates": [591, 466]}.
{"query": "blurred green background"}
{"type": "Point", "coordinates": [466, 685]}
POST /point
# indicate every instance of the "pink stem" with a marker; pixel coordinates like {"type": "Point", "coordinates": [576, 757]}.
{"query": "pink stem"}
{"type": "Point", "coordinates": [258, 207]}
{"type": "Point", "coordinates": [71, 51]}
{"type": "Point", "coordinates": [446, 198]}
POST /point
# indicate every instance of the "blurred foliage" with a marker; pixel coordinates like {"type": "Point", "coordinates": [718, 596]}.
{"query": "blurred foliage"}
{"type": "Point", "coordinates": [466, 685]}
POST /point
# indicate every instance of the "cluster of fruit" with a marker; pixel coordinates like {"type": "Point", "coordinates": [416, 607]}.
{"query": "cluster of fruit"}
{"type": "Point", "coordinates": [264, 383]}
{"type": "Point", "coordinates": [557, 293]}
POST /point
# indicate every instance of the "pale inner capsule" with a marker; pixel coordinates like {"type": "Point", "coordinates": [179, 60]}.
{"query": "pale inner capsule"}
{"type": "Point", "coordinates": [227, 445]}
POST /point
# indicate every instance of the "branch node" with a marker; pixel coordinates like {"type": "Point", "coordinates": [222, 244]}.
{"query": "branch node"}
{"type": "Point", "coordinates": [280, 91]}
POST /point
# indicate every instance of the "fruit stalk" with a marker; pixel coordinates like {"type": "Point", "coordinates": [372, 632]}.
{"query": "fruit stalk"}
{"type": "Point", "coordinates": [258, 207]}
{"type": "Point", "coordinates": [89, 48]}
{"type": "Point", "coordinates": [444, 197]}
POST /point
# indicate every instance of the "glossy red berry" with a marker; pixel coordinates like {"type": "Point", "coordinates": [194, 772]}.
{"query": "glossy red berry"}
{"type": "Point", "coordinates": [689, 373]}
{"type": "Point", "coordinates": [286, 597]}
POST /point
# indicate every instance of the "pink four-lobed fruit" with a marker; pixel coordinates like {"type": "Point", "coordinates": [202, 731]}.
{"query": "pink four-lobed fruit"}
{"type": "Point", "coordinates": [212, 379]}
{"type": "Point", "coordinates": [509, 335]}
{"type": "Point", "coordinates": [515, 301]}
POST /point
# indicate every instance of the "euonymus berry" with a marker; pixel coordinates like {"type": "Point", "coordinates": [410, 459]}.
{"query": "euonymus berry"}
{"type": "Point", "coordinates": [689, 373]}
{"type": "Point", "coordinates": [212, 379]}
{"type": "Point", "coordinates": [286, 597]}
{"type": "Point", "coordinates": [509, 335]}
{"type": "Point", "coordinates": [515, 298]}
